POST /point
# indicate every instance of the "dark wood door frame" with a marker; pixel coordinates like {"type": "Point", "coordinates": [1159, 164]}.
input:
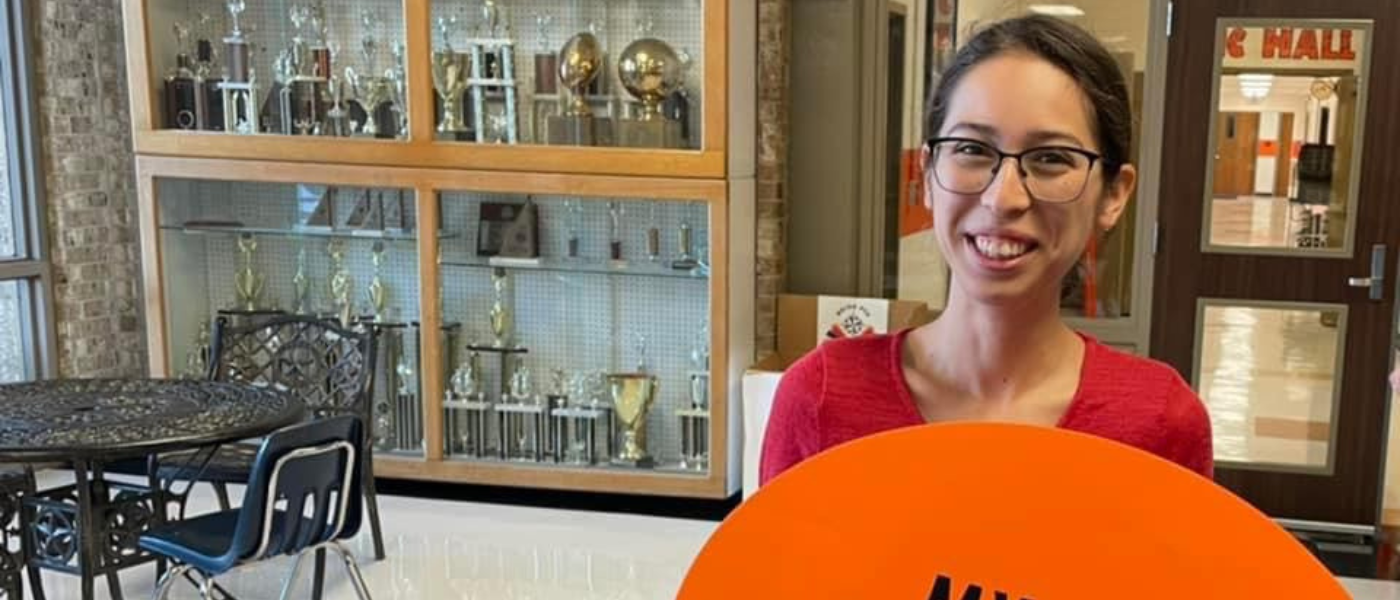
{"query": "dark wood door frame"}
{"type": "Point", "coordinates": [1184, 274]}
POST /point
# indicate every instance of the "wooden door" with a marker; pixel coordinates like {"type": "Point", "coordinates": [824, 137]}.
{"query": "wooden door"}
{"type": "Point", "coordinates": [1283, 155]}
{"type": "Point", "coordinates": [1288, 353]}
{"type": "Point", "coordinates": [1235, 152]}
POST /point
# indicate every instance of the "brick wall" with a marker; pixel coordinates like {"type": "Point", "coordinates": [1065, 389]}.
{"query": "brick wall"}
{"type": "Point", "coordinates": [87, 159]}
{"type": "Point", "coordinates": [774, 49]}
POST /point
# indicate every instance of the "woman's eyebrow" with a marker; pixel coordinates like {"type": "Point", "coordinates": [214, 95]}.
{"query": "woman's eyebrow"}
{"type": "Point", "coordinates": [1039, 136]}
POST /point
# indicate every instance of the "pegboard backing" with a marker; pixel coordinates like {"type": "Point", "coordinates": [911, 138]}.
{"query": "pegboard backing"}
{"type": "Point", "coordinates": [200, 267]}
{"type": "Point", "coordinates": [589, 321]}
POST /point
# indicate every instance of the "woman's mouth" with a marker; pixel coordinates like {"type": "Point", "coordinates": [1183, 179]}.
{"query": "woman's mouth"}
{"type": "Point", "coordinates": [1000, 252]}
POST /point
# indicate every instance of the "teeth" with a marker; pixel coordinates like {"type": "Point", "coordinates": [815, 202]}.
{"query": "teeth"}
{"type": "Point", "coordinates": [999, 248]}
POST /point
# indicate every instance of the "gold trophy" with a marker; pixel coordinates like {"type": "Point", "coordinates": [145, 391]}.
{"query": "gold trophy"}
{"type": "Point", "coordinates": [451, 70]}
{"type": "Point", "coordinates": [580, 62]}
{"type": "Point", "coordinates": [378, 290]}
{"type": "Point", "coordinates": [651, 71]}
{"type": "Point", "coordinates": [340, 283]}
{"type": "Point", "coordinates": [301, 286]}
{"type": "Point", "coordinates": [632, 396]}
{"type": "Point", "coordinates": [247, 283]}
{"type": "Point", "coordinates": [501, 319]}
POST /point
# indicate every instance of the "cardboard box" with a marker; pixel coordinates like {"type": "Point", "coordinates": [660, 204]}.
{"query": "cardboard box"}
{"type": "Point", "coordinates": [798, 335]}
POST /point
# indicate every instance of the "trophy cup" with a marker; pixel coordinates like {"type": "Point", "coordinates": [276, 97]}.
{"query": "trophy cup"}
{"type": "Point", "coordinates": [685, 247]}
{"type": "Point", "coordinates": [615, 233]}
{"type": "Point", "coordinates": [632, 396]}
{"type": "Point", "coordinates": [700, 369]}
{"type": "Point", "coordinates": [301, 286]}
{"type": "Point", "coordinates": [184, 94]}
{"type": "Point", "coordinates": [236, 46]}
{"type": "Point", "coordinates": [580, 62]}
{"type": "Point", "coordinates": [450, 75]}
{"type": "Point", "coordinates": [372, 91]}
{"type": "Point", "coordinates": [501, 319]}
{"type": "Point", "coordinates": [340, 283]}
{"type": "Point", "coordinates": [522, 389]}
{"type": "Point", "coordinates": [378, 290]}
{"type": "Point", "coordinates": [653, 236]}
{"type": "Point", "coordinates": [247, 283]}
{"type": "Point", "coordinates": [546, 61]}
{"type": "Point", "coordinates": [466, 380]}
{"type": "Point", "coordinates": [651, 71]}
{"type": "Point", "coordinates": [575, 216]}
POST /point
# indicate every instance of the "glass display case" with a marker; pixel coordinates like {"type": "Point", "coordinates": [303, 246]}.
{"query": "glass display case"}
{"type": "Point", "coordinates": [530, 200]}
{"type": "Point", "coordinates": [586, 336]}
{"type": "Point", "coordinates": [289, 67]}
{"type": "Point", "coordinates": [604, 73]}
{"type": "Point", "coordinates": [249, 251]}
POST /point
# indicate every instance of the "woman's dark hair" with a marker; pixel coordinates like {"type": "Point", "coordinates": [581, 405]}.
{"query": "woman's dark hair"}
{"type": "Point", "coordinates": [1073, 51]}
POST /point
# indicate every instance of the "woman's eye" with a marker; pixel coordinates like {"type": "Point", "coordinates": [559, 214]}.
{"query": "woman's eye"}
{"type": "Point", "coordinates": [1053, 158]}
{"type": "Point", "coordinates": [971, 149]}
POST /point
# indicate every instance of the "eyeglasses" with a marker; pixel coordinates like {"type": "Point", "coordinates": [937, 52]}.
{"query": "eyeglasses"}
{"type": "Point", "coordinates": [1054, 174]}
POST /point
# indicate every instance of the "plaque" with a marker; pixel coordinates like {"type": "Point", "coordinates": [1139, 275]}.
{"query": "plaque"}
{"type": "Point", "coordinates": [498, 221]}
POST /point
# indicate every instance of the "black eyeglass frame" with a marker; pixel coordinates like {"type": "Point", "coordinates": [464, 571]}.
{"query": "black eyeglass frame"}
{"type": "Point", "coordinates": [1094, 158]}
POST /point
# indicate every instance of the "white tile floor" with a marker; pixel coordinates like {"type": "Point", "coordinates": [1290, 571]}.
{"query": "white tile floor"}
{"type": "Point", "coordinates": [458, 550]}
{"type": "Point", "coordinates": [440, 550]}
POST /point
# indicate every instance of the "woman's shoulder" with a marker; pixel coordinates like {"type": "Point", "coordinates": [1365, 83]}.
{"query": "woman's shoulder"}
{"type": "Point", "coordinates": [1146, 403]}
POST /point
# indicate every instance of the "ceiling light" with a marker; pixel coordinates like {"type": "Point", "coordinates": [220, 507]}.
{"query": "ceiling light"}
{"type": "Point", "coordinates": [1057, 10]}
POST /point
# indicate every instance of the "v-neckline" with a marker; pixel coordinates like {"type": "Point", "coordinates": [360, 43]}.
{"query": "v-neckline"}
{"type": "Point", "coordinates": [906, 396]}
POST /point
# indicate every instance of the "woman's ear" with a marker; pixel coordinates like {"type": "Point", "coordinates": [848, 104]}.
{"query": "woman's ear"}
{"type": "Point", "coordinates": [1115, 198]}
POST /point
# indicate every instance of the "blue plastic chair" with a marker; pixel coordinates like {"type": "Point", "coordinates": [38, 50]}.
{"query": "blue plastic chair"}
{"type": "Point", "coordinates": [303, 495]}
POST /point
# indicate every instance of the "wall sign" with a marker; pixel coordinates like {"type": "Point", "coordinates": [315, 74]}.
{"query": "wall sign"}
{"type": "Point", "coordinates": [1281, 48]}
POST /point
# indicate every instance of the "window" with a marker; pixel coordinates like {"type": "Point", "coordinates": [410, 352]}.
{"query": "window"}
{"type": "Point", "coordinates": [26, 333]}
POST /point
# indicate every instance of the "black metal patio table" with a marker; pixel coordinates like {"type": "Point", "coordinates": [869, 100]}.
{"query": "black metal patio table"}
{"type": "Point", "coordinates": [90, 528]}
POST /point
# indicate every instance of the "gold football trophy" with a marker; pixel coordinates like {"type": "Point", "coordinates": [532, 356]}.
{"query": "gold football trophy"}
{"type": "Point", "coordinates": [580, 62]}
{"type": "Point", "coordinates": [632, 396]}
{"type": "Point", "coordinates": [651, 71]}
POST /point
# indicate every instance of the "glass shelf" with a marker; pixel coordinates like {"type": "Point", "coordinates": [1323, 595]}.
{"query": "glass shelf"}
{"type": "Point", "coordinates": [639, 268]}
{"type": "Point", "coordinates": [372, 234]}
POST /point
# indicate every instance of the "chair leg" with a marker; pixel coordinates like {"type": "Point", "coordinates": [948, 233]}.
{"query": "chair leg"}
{"type": "Point", "coordinates": [221, 491]}
{"type": "Point", "coordinates": [292, 578]}
{"type": "Point", "coordinates": [114, 586]}
{"type": "Point", "coordinates": [318, 578]}
{"type": "Point", "coordinates": [36, 583]}
{"type": "Point", "coordinates": [168, 581]}
{"type": "Point", "coordinates": [372, 505]}
{"type": "Point", "coordinates": [206, 588]}
{"type": "Point", "coordinates": [357, 579]}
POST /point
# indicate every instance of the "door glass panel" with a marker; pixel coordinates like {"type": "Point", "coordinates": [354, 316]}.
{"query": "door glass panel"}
{"type": "Point", "coordinates": [1269, 375]}
{"type": "Point", "coordinates": [1284, 153]}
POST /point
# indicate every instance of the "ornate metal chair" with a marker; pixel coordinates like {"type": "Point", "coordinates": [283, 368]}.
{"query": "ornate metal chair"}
{"type": "Point", "coordinates": [16, 483]}
{"type": "Point", "coordinates": [330, 368]}
{"type": "Point", "coordinates": [302, 496]}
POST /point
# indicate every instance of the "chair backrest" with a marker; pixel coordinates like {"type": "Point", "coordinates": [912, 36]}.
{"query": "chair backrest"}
{"type": "Point", "coordinates": [304, 490]}
{"type": "Point", "coordinates": [330, 368]}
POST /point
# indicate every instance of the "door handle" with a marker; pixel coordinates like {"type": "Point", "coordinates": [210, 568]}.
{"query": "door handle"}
{"type": "Point", "coordinates": [1376, 282]}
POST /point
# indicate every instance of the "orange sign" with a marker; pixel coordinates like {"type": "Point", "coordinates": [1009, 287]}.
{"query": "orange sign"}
{"type": "Point", "coordinates": [999, 512]}
{"type": "Point", "coordinates": [1288, 44]}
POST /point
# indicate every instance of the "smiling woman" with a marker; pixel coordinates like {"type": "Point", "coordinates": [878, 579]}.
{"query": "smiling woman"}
{"type": "Point", "coordinates": [1027, 163]}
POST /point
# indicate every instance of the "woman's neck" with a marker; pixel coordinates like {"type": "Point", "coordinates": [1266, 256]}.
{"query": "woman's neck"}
{"type": "Point", "coordinates": [996, 352]}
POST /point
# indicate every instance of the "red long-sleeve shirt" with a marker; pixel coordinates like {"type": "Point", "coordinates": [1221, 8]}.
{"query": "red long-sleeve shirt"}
{"type": "Point", "coordinates": [852, 388]}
